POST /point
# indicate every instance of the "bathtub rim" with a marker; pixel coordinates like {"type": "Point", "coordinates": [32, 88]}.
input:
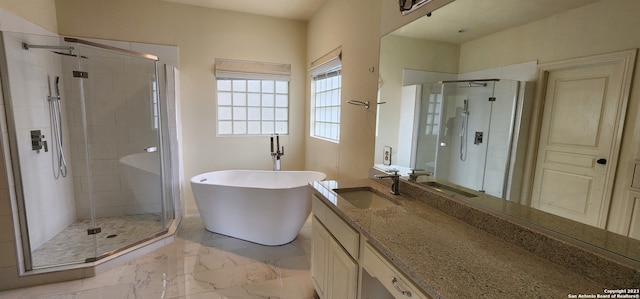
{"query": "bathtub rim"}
{"type": "Point", "coordinates": [196, 178]}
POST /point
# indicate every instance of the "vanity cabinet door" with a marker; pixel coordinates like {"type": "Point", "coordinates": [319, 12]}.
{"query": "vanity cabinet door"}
{"type": "Point", "coordinates": [343, 273]}
{"type": "Point", "coordinates": [320, 242]}
{"type": "Point", "coordinates": [333, 272]}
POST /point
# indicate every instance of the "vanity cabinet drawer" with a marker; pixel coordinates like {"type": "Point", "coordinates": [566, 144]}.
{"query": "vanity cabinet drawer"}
{"type": "Point", "coordinates": [318, 208]}
{"type": "Point", "coordinates": [341, 231]}
{"type": "Point", "coordinates": [388, 275]}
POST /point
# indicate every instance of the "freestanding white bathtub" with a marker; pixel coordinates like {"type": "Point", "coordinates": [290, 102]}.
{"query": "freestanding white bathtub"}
{"type": "Point", "coordinates": [264, 207]}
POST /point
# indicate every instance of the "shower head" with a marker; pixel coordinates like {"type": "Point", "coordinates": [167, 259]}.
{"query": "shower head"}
{"type": "Point", "coordinates": [471, 83]}
{"type": "Point", "coordinates": [70, 54]}
{"type": "Point", "coordinates": [28, 46]}
{"type": "Point", "coordinates": [477, 84]}
{"type": "Point", "coordinates": [49, 47]}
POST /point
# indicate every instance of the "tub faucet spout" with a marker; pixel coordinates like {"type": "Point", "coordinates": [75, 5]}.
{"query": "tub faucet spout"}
{"type": "Point", "coordinates": [395, 178]}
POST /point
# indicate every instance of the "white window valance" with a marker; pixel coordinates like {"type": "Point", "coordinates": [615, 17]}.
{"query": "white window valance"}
{"type": "Point", "coordinates": [251, 70]}
{"type": "Point", "coordinates": [328, 63]}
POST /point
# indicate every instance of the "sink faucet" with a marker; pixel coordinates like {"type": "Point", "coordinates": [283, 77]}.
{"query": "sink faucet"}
{"type": "Point", "coordinates": [395, 178]}
{"type": "Point", "coordinates": [275, 155]}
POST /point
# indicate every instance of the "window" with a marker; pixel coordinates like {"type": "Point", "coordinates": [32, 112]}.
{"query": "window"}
{"type": "Point", "coordinates": [155, 109]}
{"type": "Point", "coordinates": [253, 98]}
{"type": "Point", "coordinates": [326, 88]}
{"type": "Point", "coordinates": [433, 115]}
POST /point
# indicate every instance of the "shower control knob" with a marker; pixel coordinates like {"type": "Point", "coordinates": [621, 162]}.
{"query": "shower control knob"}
{"type": "Point", "coordinates": [602, 161]}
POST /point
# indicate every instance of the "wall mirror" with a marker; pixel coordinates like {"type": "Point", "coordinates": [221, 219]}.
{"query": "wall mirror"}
{"type": "Point", "coordinates": [467, 123]}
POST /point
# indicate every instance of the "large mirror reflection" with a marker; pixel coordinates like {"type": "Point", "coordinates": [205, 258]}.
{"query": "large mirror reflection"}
{"type": "Point", "coordinates": [507, 101]}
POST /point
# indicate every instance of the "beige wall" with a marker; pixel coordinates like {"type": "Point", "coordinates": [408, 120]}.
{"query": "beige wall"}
{"type": "Point", "coordinates": [354, 25]}
{"type": "Point", "coordinates": [202, 35]}
{"type": "Point", "coordinates": [40, 12]}
{"type": "Point", "coordinates": [603, 27]}
{"type": "Point", "coordinates": [406, 53]}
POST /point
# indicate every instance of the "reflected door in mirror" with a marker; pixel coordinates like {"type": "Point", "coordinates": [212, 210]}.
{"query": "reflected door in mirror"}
{"type": "Point", "coordinates": [579, 125]}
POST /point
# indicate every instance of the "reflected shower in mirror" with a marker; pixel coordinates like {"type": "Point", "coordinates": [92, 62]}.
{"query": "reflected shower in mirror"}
{"type": "Point", "coordinates": [465, 132]}
{"type": "Point", "coordinates": [444, 118]}
{"type": "Point", "coordinates": [474, 144]}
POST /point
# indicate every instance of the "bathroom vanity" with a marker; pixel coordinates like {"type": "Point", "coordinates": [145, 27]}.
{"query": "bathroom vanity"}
{"type": "Point", "coordinates": [368, 243]}
{"type": "Point", "coordinates": [339, 252]}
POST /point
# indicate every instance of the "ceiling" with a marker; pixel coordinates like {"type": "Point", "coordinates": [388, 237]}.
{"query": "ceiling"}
{"type": "Point", "coordinates": [289, 9]}
{"type": "Point", "coordinates": [478, 18]}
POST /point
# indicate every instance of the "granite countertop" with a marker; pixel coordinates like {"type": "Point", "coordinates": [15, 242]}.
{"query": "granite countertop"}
{"type": "Point", "coordinates": [449, 258]}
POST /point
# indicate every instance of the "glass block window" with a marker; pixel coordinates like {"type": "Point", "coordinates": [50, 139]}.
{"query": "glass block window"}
{"type": "Point", "coordinates": [253, 107]}
{"type": "Point", "coordinates": [433, 115]}
{"type": "Point", "coordinates": [155, 109]}
{"type": "Point", "coordinates": [326, 106]}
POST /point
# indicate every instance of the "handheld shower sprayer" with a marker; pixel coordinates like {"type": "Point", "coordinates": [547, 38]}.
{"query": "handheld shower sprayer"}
{"type": "Point", "coordinates": [56, 126]}
{"type": "Point", "coordinates": [464, 132]}
{"type": "Point", "coordinates": [57, 87]}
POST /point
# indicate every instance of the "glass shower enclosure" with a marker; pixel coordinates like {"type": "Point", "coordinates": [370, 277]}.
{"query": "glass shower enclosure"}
{"type": "Point", "coordinates": [467, 131]}
{"type": "Point", "coordinates": [86, 124]}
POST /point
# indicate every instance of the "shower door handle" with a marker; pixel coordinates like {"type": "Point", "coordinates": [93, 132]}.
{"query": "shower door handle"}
{"type": "Point", "coordinates": [602, 161]}
{"type": "Point", "coordinates": [151, 149]}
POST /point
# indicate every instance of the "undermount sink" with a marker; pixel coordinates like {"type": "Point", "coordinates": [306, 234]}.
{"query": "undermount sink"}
{"type": "Point", "coordinates": [364, 198]}
{"type": "Point", "coordinates": [447, 189]}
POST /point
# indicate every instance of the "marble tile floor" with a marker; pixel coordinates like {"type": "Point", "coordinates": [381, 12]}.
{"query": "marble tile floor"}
{"type": "Point", "coordinates": [74, 245]}
{"type": "Point", "coordinates": [198, 264]}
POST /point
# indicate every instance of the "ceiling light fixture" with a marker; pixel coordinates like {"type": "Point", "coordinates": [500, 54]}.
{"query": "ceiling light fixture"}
{"type": "Point", "coordinates": [407, 6]}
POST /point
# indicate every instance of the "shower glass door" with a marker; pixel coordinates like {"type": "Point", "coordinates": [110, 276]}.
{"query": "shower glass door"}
{"type": "Point", "coordinates": [462, 146]}
{"type": "Point", "coordinates": [123, 145]}
{"type": "Point", "coordinates": [475, 137]}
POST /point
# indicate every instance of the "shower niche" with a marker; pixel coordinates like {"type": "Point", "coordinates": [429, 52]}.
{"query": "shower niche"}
{"type": "Point", "coordinates": [101, 179]}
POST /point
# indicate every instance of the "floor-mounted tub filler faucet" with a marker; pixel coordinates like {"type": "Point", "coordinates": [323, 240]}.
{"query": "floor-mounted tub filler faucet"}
{"type": "Point", "coordinates": [395, 178]}
{"type": "Point", "coordinates": [275, 155]}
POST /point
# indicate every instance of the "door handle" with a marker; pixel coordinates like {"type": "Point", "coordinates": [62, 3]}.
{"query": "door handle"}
{"type": "Point", "coordinates": [602, 161]}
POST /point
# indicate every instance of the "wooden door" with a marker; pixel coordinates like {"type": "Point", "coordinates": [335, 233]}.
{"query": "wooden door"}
{"type": "Point", "coordinates": [584, 109]}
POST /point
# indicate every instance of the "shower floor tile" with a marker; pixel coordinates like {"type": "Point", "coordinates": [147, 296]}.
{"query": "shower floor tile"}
{"type": "Point", "coordinates": [198, 264]}
{"type": "Point", "coordinates": [74, 245]}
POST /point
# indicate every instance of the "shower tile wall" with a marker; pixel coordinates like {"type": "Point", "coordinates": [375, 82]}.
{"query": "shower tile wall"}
{"type": "Point", "coordinates": [469, 172]}
{"type": "Point", "coordinates": [31, 76]}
